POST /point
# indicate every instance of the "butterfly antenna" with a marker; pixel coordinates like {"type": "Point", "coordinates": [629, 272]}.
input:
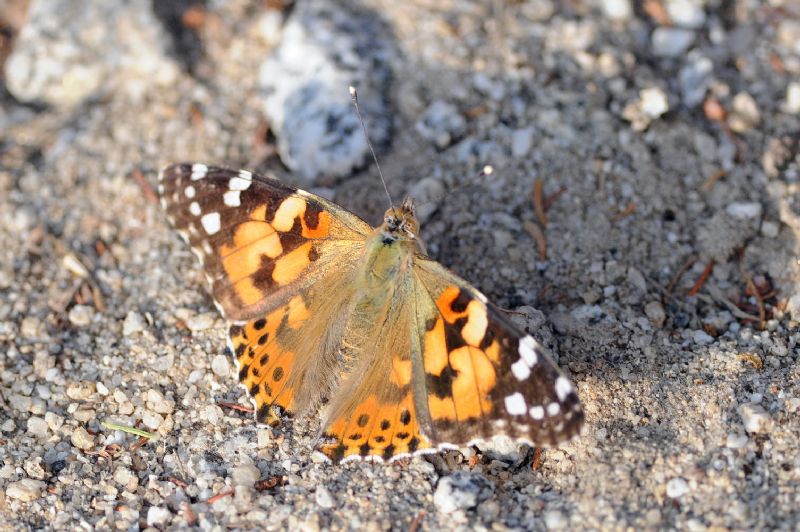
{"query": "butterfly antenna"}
{"type": "Point", "coordinates": [485, 171]}
{"type": "Point", "coordinates": [354, 97]}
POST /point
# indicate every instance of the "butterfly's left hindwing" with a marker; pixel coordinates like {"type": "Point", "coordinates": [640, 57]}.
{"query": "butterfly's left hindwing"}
{"type": "Point", "coordinates": [484, 377]}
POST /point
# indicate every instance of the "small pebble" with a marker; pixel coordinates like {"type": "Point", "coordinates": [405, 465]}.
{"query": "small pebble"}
{"type": "Point", "coordinates": [701, 337]}
{"type": "Point", "coordinates": [461, 491]}
{"type": "Point", "coordinates": [617, 9]}
{"type": "Point", "coordinates": [671, 42]}
{"type": "Point", "coordinates": [745, 113]}
{"type": "Point", "coordinates": [744, 210]}
{"type": "Point", "coordinates": [792, 104]}
{"type": "Point", "coordinates": [157, 516]}
{"type": "Point", "coordinates": [151, 420]}
{"type": "Point", "coordinates": [245, 475]}
{"type": "Point", "coordinates": [22, 403]}
{"type": "Point", "coordinates": [82, 439]}
{"type": "Point", "coordinates": [442, 124]}
{"type": "Point", "coordinates": [655, 313]}
{"type": "Point", "coordinates": [54, 421]}
{"type": "Point", "coordinates": [134, 322]}
{"type": "Point", "coordinates": [677, 487]}
{"type": "Point", "coordinates": [755, 418]}
{"type": "Point", "coordinates": [555, 520]}
{"type": "Point", "coordinates": [521, 142]}
{"type": "Point", "coordinates": [221, 366]}
{"type": "Point", "coordinates": [213, 414]}
{"type": "Point", "coordinates": [769, 229]}
{"type": "Point", "coordinates": [81, 315]}
{"type": "Point", "coordinates": [324, 498]}
{"type": "Point", "coordinates": [157, 402]}
{"type": "Point", "coordinates": [37, 427]}
{"type": "Point", "coordinates": [25, 490]}
{"type": "Point", "coordinates": [201, 322]}
{"type": "Point", "coordinates": [686, 13]}
{"type": "Point", "coordinates": [736, 441]}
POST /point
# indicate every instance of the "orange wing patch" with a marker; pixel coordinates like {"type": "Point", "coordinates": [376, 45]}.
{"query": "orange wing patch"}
{"type": "Point", "coordinates": [459, 358]}
{"type": "Point", "coordinates": [265, 365]}
{"type": "Point", "coordinates": [375, 429]}
{"type": "Point", "coordinates": [272, 248]}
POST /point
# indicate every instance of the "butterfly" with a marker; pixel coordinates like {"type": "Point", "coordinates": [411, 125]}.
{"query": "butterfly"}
{"type": "Point", "coordinates": [325, 312]}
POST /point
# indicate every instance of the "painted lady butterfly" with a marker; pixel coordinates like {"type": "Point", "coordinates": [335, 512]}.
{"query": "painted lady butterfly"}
{"type": "Point", "coordinates": [410, 357]}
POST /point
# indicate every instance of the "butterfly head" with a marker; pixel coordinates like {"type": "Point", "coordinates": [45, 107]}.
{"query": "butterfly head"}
{"type": "Point", "coordinates": [399, 223]}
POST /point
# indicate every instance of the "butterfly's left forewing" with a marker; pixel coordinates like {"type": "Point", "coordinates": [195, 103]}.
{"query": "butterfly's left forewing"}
{"type": "Point", "coordinates": [482, 376]}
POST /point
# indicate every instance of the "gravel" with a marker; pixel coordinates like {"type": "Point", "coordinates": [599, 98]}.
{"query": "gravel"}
{"type": "Point", "coordinates": [667, 143]}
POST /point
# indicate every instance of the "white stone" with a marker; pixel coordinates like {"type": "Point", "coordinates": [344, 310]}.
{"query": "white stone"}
{"type": "Point", "coordinates": [755, 418]}
{"type": "Point", "coordinates": [460, 491]}
{"type": "Point", "coordinates": [686, 13]}
{"type": "Point", "coordinates": [617, 9]}
{"type": "Point", "coordinates": [792, 105]}
{"type": "Point", "coordinates": [81, 315]}
{"type": "Point", "coordinates": [21, 403]}
{"type": "Point", "coordinates": [736, 441]}
{"type": "Point", "coordinates": [81, 439]}
{"type": "Point", "coordinates": [37, 427]}
{"type": "Point", "coordinates": [655, 312]}
{"type": "Point", "coordinates": [245, 475]}
{"type": "Point", "coordinates": [201, 322]}
{"type": "Point", "coordinates": [653, 102]}
{"type": "Point", "coordinates": [677, 487]}
{"type": "Point", "coordinates": [212, 414]}
{"type": "Point", "coordinates": [555, 520]}
{"type": "Point", "coordinates": [221, 366]}
{"type": "Point", "coordinates": [701, 337]}
{"type": "Point", "coordinates": [134, 323]}
{"type": "Point", "coordinates": [769, 229]}
{"type": "Point", "coordinates": [158, 516]}
{"type": "Point", "coordinates": [671, 42]}
{"type": "Point", "coordinates": [521, 142]}
{"type": "Point", "coordinates": [324, 497]}
{"type": "Point", "coordinates": [151, 420]}
{"type": "Point", "coordinates": [744, 210]}
{"type": "Point", "coordinates": [25, 490]}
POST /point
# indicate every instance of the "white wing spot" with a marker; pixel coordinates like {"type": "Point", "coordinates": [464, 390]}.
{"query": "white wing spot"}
{"type": "Point", "coordinates": [520, 370]}
{"type": "Point", "coordinates": [238, 183]}
{"type": "Point", "coordinates": [194, 208]}
{"type": "Point", "coordinates": [199, 171]}
{"type": "Point", "coordinates": [189, 192]}
{"type": "Point", "coordinates": [211, 222]}
{"type": "Point", "coordinates": [563, 388]}
{"type": "Point", "coordinates": [515, 404]}
{"type": "Point", "coordinates": [184, 235]}
{"type": "Point", "coordinates": [231, 198]}
{"type": "Point", "coordinates": [527, 350]}
{"type": "Point", "coordinates": [537, 412]}
{"type": "Point", "coordinates": [192, 229]}
{"type": "Point", "coordinates": [244, 174]}
{"type": "Point", "coordinates": [161, 189]}
{"type": "Point", "coordinates": [207, 248]}
{"type": "Point", "coordinates": [553, 409]}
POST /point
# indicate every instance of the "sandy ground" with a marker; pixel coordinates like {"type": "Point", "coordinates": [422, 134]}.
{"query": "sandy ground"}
{"type": "Point", "coordinates": [666, 138]}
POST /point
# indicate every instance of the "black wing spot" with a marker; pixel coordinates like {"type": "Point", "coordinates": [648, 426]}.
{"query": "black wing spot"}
{"type": "Point", "coordinates": [254, 389]}
{"type": "Point", "coordinates": [263, 339]}
{"type": "Point", "coordinates": [244, 371]}
{"type": "Point", "coordinates": [364, 449]}
{"type": "Point", "coordinates": [405, 417]}
{"type": "Point", "coordinates": [264, 359]}
{"type": "Point", "coordinates": [362, 421]}
{"type": "Point", "coordinates": [240, 350]}
{"type": "Point", "coordinates": [460, 303]}
{"type": "Point", "coordinates": [388, 452]}
{"type": "Point", "coordinates": [259, 324]}
{"type": "Point", "coordinates": [355, 436]}
{"type": "Point", "coordinates": [277, 374]}
{"type": "Point", "coordinates": [442, 385]}
{"type": "Point", "coordinates": [385, 424]}
{"type": "Point", "coordinates": [402, 435]}
{"type": "Point", "coordinates": [413, 444]}
{"type": "Point", "coordinates": [263, 413]}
